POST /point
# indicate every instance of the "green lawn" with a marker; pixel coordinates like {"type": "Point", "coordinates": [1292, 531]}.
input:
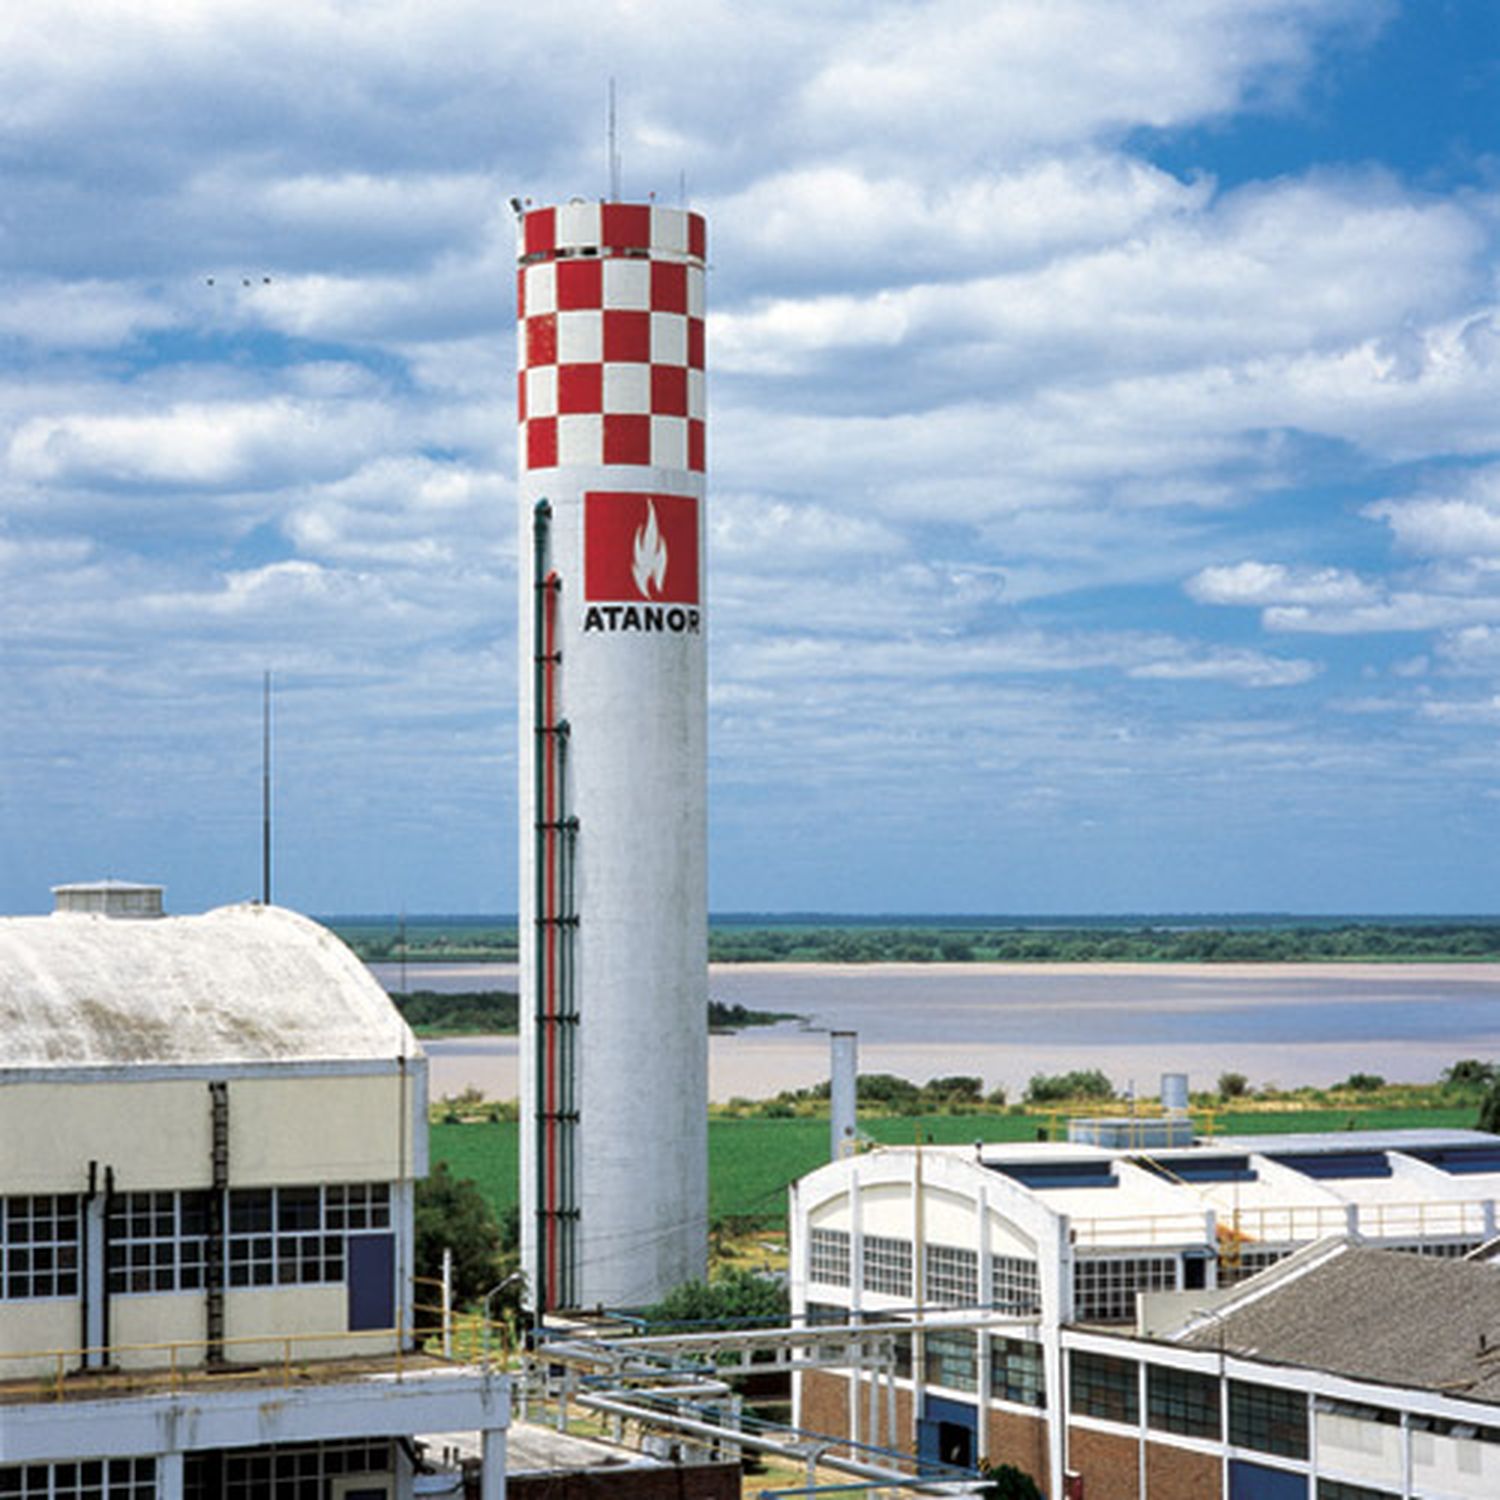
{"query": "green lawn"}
{"type": "Point", "coordinates": [750, 1162]}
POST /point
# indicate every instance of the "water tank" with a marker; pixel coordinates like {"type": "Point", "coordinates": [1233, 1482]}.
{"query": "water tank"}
{"type": "Point", "coordinates": [108, 898]}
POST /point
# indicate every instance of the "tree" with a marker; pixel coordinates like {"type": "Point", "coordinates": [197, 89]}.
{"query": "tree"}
{"type": "Point", "coordinates": [1363, 1083]}
{"type": "Point", "coordinates": [1233, 1085]}
{"type": "Point", "coordinates": [1007, 1482]}
{"type": "Point", "coordinates": [732, 1296]}
{"type": "Point", "coordinates": [1469, 1073]}
{"type": "Point", "coordinates": [451, 1213]}
{"type": "Point", "coordinates": [1489, 1110]}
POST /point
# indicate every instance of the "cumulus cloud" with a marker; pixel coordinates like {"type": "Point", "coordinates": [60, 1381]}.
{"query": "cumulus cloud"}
{"type": "Point", "coordinates": [1260, 584]}
{"type": "Point", "coordinates": [990, 376]}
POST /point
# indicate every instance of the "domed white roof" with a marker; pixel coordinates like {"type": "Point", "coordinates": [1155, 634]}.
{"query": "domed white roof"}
{"type": "Point", "coordinates": [242, 984]}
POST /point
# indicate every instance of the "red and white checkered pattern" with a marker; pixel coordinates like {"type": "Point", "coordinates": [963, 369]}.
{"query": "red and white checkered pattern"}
{"type": "Point", "coordinates": [611, 346]}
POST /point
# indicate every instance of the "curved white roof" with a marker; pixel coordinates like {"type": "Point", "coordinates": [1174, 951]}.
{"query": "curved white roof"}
{"type": "Point", "coordinates": [242, 984]}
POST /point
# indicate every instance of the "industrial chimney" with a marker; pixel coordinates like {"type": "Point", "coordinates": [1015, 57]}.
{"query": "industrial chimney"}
{"type": "Point", "coordinates": [614, 1044]}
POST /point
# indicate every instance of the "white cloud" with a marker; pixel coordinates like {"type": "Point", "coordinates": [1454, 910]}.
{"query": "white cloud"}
{"type": "Point", "coordinates": [194, 443]}
{"type": "Point", "coordinates": [1259, 583]}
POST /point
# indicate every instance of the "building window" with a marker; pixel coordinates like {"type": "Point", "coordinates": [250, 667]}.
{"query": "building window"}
{"type": "Point", "coordinates": [1336, 1489]}
{"type": "Point", "coordinates": [1446, 1249]}
{"type": "Point", "coordinates": [158, 1242]}
{"type": "Point", "coordinates": [952, 1275]}
{"type": "Point", "coordinates": [298, 1471]}
{"type": "Point", "coordinates": [1014, 1287]}
{"type": "Point", "coordinates": [85, 1479]}
{"type": "Point", "coordinates": [295, 1236]}
{"type": "Point", "coordinates": [1182, 1401]}
{"type": "Point", "coordinates": [1099, 1385]}
{"type": "Point", "coordinates": [1267, 1419]}
{"type": "Point", "coordinates": [949, 1358]}
{"type": "Point", "coordinates": [828, 1256]}
{"type": "Point", "coordinates": [819, 1313]}
{"type": "Point", "coordinates": [1017, 1373]}
{"type": "Point", "coordinates": [1104, 1290]}
{"type": "Point", "coordinates": [903, 1356]}
{"type": "Point", "coordinates": [887, 1266]}
{"type": "Point", "coordinates": [1241, 1266]}
{"type": "Point", "coordinates": [39, 1247]}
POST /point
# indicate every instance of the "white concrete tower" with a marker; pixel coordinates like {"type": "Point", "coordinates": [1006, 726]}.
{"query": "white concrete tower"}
{"type": "Point", "coordinates": [614, 974]}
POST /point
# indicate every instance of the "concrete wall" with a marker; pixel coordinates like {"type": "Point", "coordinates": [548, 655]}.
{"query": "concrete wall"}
{"type": "Point", "coordinates": [1353, 1448]}
{"type": "Point", "coordinates": [157, 1134]}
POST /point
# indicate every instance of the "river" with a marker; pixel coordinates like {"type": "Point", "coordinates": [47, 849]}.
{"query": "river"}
{"type": "Point", "coordinates": [1288, 1024]}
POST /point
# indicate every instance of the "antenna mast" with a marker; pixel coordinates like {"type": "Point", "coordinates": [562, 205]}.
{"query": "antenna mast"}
{"type": "Point", "coordinates": [265, 789]}
{"type": "Point", "coordinates": [614, 148]}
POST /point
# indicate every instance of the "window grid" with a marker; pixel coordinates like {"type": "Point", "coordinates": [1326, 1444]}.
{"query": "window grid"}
{"type": "Point", "coordinates": [1014, 1285]}
{"type": "Point", "coordinates": [158, 1242]}
{"type": "Point", "coordinates": [828, 1256]}
{"type": "Point", "coordinates": [281, 1236]}
{"type": "Point", "coordinates": [1249, 1263]}
{"type": "Point", "coordinates": [1017, 1372]}
{"type": "Point", "coordinates": [294, 1472]}
{"type": "Point", "coordinates": [1100, 1385]}
{"type": "Point", "coordinates": [952, 1275]}
{"type": "Point", "coordinates": [39, 1247]}
{"type": "Point", "coordinates": [949, 1357]}
{"type": "Point", "coordinates": [816, 1314]}
{"type": "Point", "coordinates": [1104, 1289]}
{"type": "Point", "coordinates": [1445, 1249]}
{"type": "Point", "coordinates": [1268, 1419]}
{"type": "Point", "coordinates": [1336, 1489]}
{"type": "Point", "coordinates": [887, 1266]}
{"type": "Point", "coordinates": [1182, 1401]}
{"type": "Point", "coordinates": [86, 1479]}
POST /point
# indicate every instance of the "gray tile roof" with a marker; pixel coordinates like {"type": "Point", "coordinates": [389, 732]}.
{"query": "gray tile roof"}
{"type": "Point", "coordinates": [1379, 1315]}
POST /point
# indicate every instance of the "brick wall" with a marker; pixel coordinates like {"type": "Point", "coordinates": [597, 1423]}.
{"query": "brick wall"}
{"type": "Point", "coordinates": [825, 1403]}
{"type": "Point", "coordinates": [1022, 1441]}
{"type": "Point", "coordinates": [1179, 1474]}
{"type": "Point", "coordinates": [1110, 1465]}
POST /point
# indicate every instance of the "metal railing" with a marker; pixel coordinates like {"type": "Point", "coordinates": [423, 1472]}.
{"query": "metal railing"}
{"type": "Point", "coordinates": [273, 1357]}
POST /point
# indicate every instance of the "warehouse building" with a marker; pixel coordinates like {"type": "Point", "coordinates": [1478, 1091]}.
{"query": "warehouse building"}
{"type": "Point", "coordinates": [1019, 1269]}
{"type": "Point", "coordinates": [210, 1131]}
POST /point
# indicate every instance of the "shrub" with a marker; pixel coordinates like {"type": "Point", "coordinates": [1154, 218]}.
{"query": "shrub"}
{"type": "Point", "coordinates": [1053, 1088]}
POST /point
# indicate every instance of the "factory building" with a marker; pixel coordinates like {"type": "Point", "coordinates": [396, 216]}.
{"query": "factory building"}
{"type": "Point", "coordinates": [613, 629]}
{"type": "Point", "coordinates": [1020, 1270]}
{"type": "Point", "coordinates": [210, 1131]}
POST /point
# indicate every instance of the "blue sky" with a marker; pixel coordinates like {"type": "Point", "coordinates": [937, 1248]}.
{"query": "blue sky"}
{"type": "Point", "coordinates": [1103, 442]}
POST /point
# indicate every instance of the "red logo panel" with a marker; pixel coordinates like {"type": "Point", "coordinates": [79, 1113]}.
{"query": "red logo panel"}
{"type": "Point", "coordinates": [640, 547]}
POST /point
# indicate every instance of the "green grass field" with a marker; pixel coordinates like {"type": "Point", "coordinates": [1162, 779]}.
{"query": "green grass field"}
{"type": "Point", "coordinates": [750, 1162]}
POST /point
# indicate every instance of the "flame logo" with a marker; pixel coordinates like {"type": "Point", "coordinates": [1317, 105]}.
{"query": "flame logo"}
{"type": "Point", "coordinates": [648, 564]}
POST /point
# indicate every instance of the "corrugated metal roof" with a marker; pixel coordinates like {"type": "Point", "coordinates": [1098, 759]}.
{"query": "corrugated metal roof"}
{"type": "Point", "coordinates": [241, 984]}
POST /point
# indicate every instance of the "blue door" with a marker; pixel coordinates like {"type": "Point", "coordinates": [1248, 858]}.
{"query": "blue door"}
{"type": "Point", "coordinates": [372, 1281]}
{"type": "Point", "coordinates": [948, 1432]}
{"type": "Point", "coordinates": [1258, 1482]}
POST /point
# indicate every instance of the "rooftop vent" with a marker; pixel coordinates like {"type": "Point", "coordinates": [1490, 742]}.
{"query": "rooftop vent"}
{"type": "Point", "coordinates": [108, 898]}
